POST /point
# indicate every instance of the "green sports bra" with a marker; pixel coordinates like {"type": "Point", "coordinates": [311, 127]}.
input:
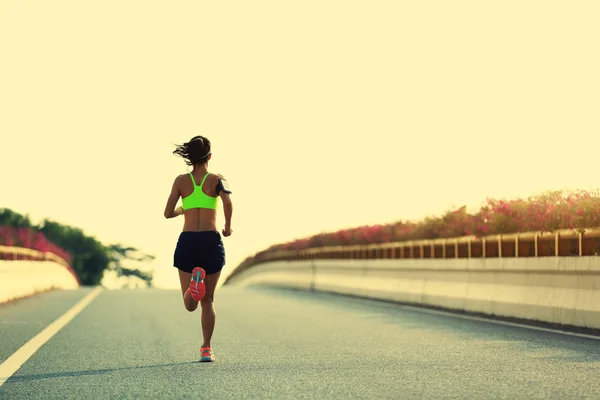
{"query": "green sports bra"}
{"type": "Point", "coordinates": [198, 199]}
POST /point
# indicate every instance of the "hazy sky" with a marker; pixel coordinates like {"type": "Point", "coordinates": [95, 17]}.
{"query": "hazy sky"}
{"type": "Point", "coordinates": [322, 114]}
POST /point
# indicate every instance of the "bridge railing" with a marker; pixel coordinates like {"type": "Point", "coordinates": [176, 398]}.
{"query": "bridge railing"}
{"type": "Point", "coordinates": [560, 243]}
{"type": "Point", "coordinates": [550, 277]}
{"type": "Point", "coordinates": [10, 253]}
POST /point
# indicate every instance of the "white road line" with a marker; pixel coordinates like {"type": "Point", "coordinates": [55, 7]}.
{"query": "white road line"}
{"type": "Point", "coordinates": [454, 314]}
{"type": "Point", "coordinates": [14, 362]}
{"type": "Point", "coordinates": [498, 322]}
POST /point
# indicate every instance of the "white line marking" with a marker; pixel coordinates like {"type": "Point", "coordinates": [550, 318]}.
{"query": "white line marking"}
{"type": "Point", "coordinates": [453, 314]}
{"type": "Point", "coordinates": [498, 322]}
{"type": "Point", "coordinates": [14, 362]}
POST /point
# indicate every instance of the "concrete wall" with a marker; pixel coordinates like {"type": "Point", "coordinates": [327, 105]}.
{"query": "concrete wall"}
{"type": "Point", "coordinates": [23, 278]}
{"type": "Point", "coordinates": [562, 290]}
{"type": "Point", "coordinates": [290, 274]}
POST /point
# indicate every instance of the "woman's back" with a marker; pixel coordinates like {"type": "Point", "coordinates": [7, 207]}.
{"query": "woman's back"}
{"type": "Point", "coordinates": [199, 190]}
{"type": "Point", "coordinates": [202, 190]}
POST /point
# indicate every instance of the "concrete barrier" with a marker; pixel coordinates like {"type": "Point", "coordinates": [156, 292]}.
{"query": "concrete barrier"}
{"type": "Point", "coordinates": [290, 274]}
{"type": "Point", "coordinates": [24, 278]}
{"type": "Point", "coordinates": [558, 290]}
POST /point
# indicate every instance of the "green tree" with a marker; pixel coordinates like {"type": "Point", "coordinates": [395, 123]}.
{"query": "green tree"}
{"type": "Point", "coordinates": [90, 258]}
{"type": "Point", "coordinates": [118, 254]}
{"type": "Point", "coordinates": [13, 219]}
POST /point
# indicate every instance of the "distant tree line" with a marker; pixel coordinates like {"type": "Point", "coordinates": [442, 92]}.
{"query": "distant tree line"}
{"type": "Point", "coordinates": [89, 257]}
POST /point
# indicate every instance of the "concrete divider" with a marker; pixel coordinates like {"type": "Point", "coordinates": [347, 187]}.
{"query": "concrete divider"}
{"type": "Point", "coordinates": [559, 290]}
{"type": "Point", "coordinates": [24, 278]}
{"type": "Point", "coordinates": [291, 274]}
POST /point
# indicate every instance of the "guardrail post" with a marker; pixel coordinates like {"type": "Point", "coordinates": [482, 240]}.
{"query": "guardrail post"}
{"type": "Point", "coordinates": [469, 248]}
{"type": "Point", "coordinates": [499, 246]}
{"type": "Point", "coordinates": [580, 244]}
{"type": "Point", "coordinates": [556, 243]}
{"type": "Point", "coordinates": [483, 247]}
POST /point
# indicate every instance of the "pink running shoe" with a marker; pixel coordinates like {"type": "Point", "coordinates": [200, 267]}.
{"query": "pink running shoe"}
{"type": "Point", "coordinates": [206, 354]}
{"type": "Point", "coordinates": [197, 289]}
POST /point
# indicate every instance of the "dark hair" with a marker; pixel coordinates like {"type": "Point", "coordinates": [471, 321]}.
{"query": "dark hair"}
{"type": "Point", "coordinates": [196, 151]}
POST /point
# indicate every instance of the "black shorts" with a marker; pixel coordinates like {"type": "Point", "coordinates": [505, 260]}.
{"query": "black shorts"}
{"type": "Point", "coordinates": [200, 249]}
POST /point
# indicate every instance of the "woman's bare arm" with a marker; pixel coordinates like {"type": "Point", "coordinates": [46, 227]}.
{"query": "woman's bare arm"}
{"type": "Point", "coordinates": [170, 210]}
{"type": "Point", "coordinates": [228, 211]}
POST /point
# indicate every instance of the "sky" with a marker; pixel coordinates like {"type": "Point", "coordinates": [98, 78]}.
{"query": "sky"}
{"type": "Point", "coordinates": [322, 114]}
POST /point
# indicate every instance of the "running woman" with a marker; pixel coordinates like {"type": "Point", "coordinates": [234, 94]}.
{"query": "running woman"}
{"type": "Point", "coordinates": [200, 255]}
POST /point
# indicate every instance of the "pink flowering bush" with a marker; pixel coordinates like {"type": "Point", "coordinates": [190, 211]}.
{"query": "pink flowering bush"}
{"type": "Point", "coordinates": [31, 239]}
{"type": "Point", "coordinates": [549, 211]}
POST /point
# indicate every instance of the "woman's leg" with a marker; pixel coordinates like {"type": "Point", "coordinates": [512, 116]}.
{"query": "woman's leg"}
{"type": "Point", "coordinates": [208, 309]}
{"type": "Point", "coordinates": [184, 279]}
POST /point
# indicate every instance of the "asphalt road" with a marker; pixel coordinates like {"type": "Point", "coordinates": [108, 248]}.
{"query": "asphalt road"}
{"type": "Point", "coordinates": [279, 344]}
